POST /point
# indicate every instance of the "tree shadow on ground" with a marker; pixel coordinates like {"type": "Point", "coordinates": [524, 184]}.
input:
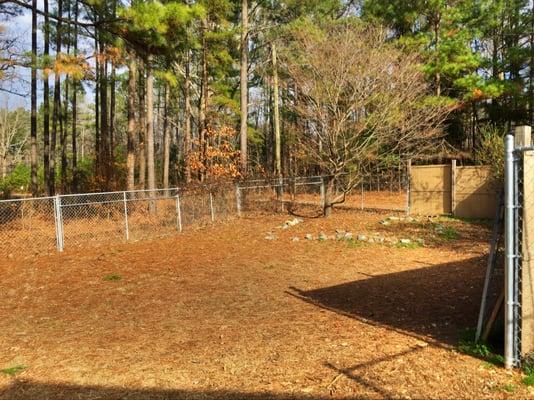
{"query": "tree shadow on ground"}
{"type": "Point", "coordinates": [25, 389]}
{"type": "Point", "coordinates": [434, 302]}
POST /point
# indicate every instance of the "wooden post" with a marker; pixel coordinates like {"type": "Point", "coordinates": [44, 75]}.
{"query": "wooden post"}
{"type": "Point", "coordinates": [453, 187]}
{"type": "Point", "coordinates": [523, 139]}
{"type": "Point", "coordinates": [523, 136]}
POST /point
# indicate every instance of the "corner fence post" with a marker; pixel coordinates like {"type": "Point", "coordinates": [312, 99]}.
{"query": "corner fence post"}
{"type": "Point", "coordinates": [59, 223]}
{"type": "Point", "coordinates": [178, 213]}
{"type": "Point", "coordinates": [509, 252]}
{"type": "Point", "coordinates": [126, 226]}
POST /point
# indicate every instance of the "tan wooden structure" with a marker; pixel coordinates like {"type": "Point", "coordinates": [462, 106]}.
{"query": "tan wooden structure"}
{"type": "Point", "coordinates": [523, 139]}
{"type": "Point", "coordinates": [468, 192]}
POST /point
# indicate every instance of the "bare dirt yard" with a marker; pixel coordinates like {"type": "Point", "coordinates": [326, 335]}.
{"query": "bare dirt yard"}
{"type": "Point", "coordinates": [242, 310]}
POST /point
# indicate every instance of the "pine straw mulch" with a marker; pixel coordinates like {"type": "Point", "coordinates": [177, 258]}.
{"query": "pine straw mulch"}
{"type": "Point", "coordinates": [223, 313]}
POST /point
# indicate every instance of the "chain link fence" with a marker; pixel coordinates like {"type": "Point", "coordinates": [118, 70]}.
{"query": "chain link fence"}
{"type": "Point", "coordinates": [43, 225]}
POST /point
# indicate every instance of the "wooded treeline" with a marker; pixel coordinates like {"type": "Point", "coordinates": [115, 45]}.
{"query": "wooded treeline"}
{"type": "Point", "coordinates": [146, 94]}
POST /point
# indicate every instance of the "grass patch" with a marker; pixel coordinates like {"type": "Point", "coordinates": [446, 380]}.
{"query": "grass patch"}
{"type": "Point", "coordinates": [452, 218]}
{"type": "Point", "coordinates": [12, 371]}
{"type": "Point", "coordinates": [449, 233]}
{"type": "Point", "coordinates": [112, 277]}
{"type": "Point", "coordinates": [509, 388]}
{"type": "Point", "coordinates": [411, 245]}
{"type": "Point", "coordinates": [528, 380]}
{"type": "Point", "coordinates": [446, 233]}
{"type": "Point", "coordinates": [480, 349]}
{"type": "Point", "coordinates": [354, 244]}
{"type": "Point", "coordinates": [528, 369]}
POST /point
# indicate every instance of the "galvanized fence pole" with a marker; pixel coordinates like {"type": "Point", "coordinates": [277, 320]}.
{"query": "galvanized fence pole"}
{"type": "Point", "coordinates": [126, 226]}
{"type": "Point", "coordinates": [509, 252]}
{"type": "Point", "coordinates": [323, 193]}
{"type": "Point", "coordinates": [408, 185]}
{"type": "Point", "coordinates": [361, 197]}
{"type": "Point", "coordinates": [58, 217]}
{"type": "Point", "coordinates": [211, 208]}
{"type": "Point", "coordinates": [178, 213]}
{"type": "Point", "coordinates": [238, 199]}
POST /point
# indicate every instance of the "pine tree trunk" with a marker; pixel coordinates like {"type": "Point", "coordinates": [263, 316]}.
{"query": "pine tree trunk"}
{"type": "Point", "coordinates": [244, 86]}
{"type": "Point", "coordinates": [187, 116]}
{"type": "Point", "coordinates": [33, 128]}
{"type": "Point", "coordinates": [63, 119]}
{"type": "Point", "coordinates": [63, 134]}
{"type": "Point", "coordinates": [166, 138]}
{"type": "Point", "coordinates": [56, 113]}
{"type": "Point", "coordinates": [74, 186]}
{"type": "Point", "coordinates": [142, 132]}
{"type": "Point", "coordinates": [203, 106]}
{"type": "Point", "coordinates": [277, 136]}
{"type": "Point", "coordinates": [437, 27]}
{"type": "Point", "coordinates": [150, 127]}
{"type": "Point", "coordinates": [97, 107]}
{"type": "Point", "coordinates": [132, 94]}
{"type": "Point", "coordinates": [105, 171]}
{"type": "Point", "coordinates": [112, 103]}
{"type": "Point", "coordinates": [46, 100]}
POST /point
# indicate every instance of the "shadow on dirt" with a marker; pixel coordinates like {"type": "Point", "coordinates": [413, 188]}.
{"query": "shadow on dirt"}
{"type": "Point", "coordinates": [434, 302]}
{"type": "Point", "coordinates": [24, 390]}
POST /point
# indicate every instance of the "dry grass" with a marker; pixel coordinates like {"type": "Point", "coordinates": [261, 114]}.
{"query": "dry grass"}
{"type": "Point", "coordinates": [223, 313]}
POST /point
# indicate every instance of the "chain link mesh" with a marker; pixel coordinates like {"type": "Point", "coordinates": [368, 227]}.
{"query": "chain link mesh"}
{"type": "Point", "coordinates": [41, 225]}
{"type": "Point", "coordinates": [519, 223]}
{"type": "Point", "coordinates": [27, 227]}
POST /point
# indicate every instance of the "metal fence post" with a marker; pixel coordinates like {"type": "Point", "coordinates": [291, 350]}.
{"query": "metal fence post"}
{"type": "Point", "coordinates": [126, 226]}
{"type": "Point", "coordinates": [453, 187]}
{"type": "Point", "coordinates": [361, 199]}
{"type": "Point", "coordinates": [323, 193]}
{"type": "Point", "coordinates": [408, 184]}
{"type": "Point", "coordinates": [178, 213]}
{"type": "Point", "coordinates": [509, 253]}
{"type": "Point", "coordinates": [58, 217]}
{"type": "Point", "coordinates": [211, 208]}
{"type": "Point", "coordinates": [238, 199]}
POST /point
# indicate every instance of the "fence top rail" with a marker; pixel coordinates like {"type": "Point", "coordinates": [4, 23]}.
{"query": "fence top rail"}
{"type": "Point", "coordinates": [26, 199]}
{"type": "Point", "coordinates": [119, 192]}
{"type": "Point", "coordinates": [303, 180]}
{"type": "Point", "coordinates": [430, 166]}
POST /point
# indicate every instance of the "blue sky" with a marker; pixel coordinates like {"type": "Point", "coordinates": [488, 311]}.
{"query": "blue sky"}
{"type": "Point", "coordinates": [19, 27]}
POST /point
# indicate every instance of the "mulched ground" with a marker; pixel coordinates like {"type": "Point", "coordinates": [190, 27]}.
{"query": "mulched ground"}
{"type": "Point", "coordinates": [223, 313]}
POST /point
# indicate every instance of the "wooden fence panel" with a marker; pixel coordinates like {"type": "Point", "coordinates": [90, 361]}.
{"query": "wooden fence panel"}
{"type": "Point", "coordinates": [476, 192]}
{"type": "Point", "coordinates": [473, 194]}
{"type": "Point", "coordinates": [430, 189]}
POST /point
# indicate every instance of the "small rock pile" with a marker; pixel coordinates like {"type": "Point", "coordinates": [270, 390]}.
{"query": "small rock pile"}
{"type": "Point", "coordinates": [389, 220]}
{"type": "Point", "coordinates": [343, 235]}
{"type": "Point", "coordinates": [291, 222]}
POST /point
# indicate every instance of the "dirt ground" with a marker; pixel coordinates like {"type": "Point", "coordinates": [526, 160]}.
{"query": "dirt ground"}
{"type": "Point", "coordinates": [222, 312]}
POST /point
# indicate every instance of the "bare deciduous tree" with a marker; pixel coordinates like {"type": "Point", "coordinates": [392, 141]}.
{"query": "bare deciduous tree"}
{"type": "Point", "coordinates": [361, 97]}
{"type": "Point", "coordinates": [14, 134]}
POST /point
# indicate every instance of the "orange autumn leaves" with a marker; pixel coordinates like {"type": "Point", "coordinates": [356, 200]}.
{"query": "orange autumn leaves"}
{"type": "Point", "coordinates": [215, 156]}
{"type": "Point", "coordinates": [77, 66]}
